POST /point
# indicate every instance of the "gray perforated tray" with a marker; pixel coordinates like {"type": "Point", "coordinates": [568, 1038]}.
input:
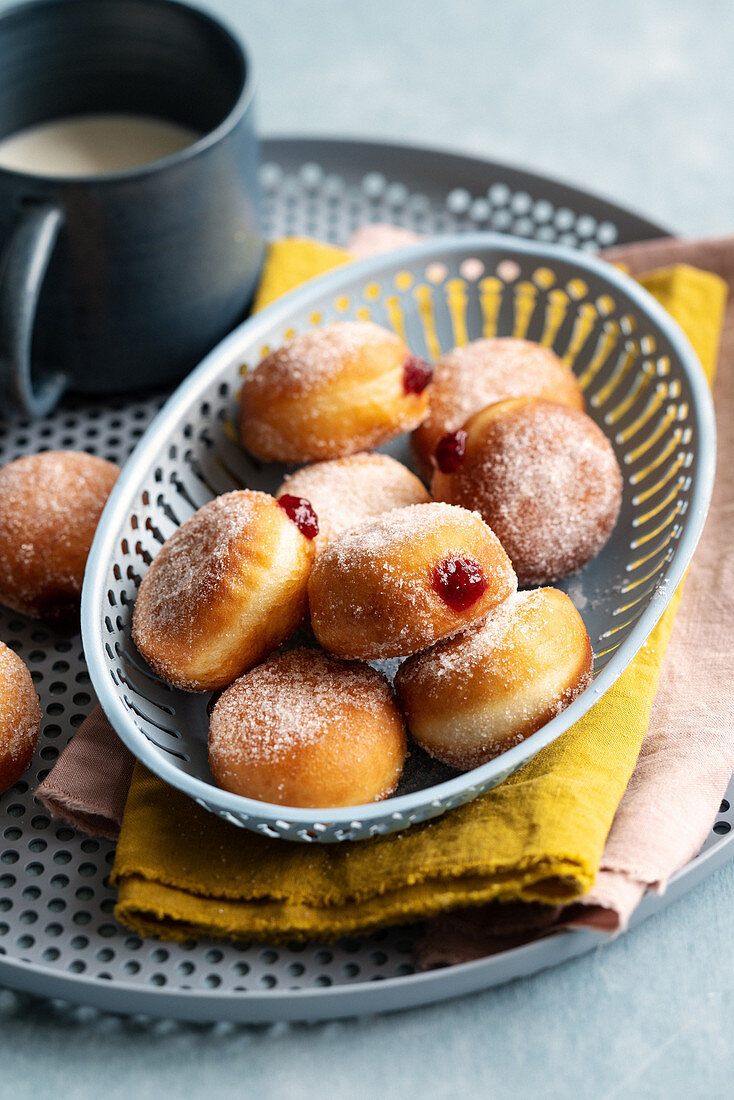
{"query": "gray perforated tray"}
{"type": "Point", "coordinates": [58, 936]}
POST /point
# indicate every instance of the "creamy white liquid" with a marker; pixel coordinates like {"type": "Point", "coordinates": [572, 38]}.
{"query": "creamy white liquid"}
{"type": "Point", "coordinates": [87, 145]}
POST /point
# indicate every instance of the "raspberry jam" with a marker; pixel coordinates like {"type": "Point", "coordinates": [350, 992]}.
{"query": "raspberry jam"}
{"type": "Point", "coordinates": [301, 512]}
{"type": "Point", "coordinates": [417, 373]}
{"type": "Point", "coordinates": [459, 581]}
{"type": "Point", "coordinates": [450, 451]}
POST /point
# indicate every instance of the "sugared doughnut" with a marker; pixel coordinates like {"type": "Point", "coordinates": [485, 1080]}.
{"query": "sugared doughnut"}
{"type": "Point", "coordinates": [303, 729]}
{"type": "Point", "coordinates": [471, 698]}
{"type": "Point", "coordinates": [398, 584]}
{"type": "Point", "coordinates": [20, 718]}
{"type": "Point", "coordinates": [348, 491]}
{"type": "Point", "coordinates": [225, 589]}
{"type": "Point", "coordinates": [543, 476]}
{"type": "Point", "coordinates": [488, 370]}
{"type": "Point", "coordinates": [50, 504]}
{"type": "Point", "coordinates": [331, 392]}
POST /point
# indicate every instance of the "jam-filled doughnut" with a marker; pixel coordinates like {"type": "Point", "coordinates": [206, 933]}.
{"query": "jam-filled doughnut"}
{"type": "Point", "coordinates": [488, 370]}
{"type": "Point", "coordinates": [331, 392]}
{"type": "Point", "coordinates": [543, 476]}
{"type": "Point", "coordinates": [50, 504]}
{"type": "Point", "coordinates": [401, 582]}
{"type": "Point", "coordinates": [20, 718]}
{"type": "Point", "coordinates": [473, 697]}
{"type": "Point", "coordinates": [225, 589]}
{"type": "Point", "coordinates": [348, 491]}
{"type": "Point", "coordinates": [303, 729]}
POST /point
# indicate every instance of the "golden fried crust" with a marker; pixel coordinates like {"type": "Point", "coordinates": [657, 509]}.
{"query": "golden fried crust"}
{"type": "Point", "coordinates": [328, 393]}
{"type": "Point", "coordinates": [473, 697]}
{"type": "Point", "coordinates": [224, 591]}
{"type": "Point", "coordinates": [483, 371]}
{"type": "Point", "coordinates": [303, 729]}
{"type": "Point", "coordinates": [20, 718]}
{"type": "Point", "coordinates": [50, 504]}
{"type": "Point", "coordinates": [353, 490]}
{"type": "Point", "coordinates": [545, 478]}
{"type": "Point", "coordinates": [372, 590]}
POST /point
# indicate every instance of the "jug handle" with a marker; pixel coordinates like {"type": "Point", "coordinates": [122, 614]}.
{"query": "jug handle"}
{"type": "Point", "coordinates": [23, 267]}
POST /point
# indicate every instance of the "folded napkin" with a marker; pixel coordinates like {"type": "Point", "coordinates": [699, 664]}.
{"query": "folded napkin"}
{"type": "Point", "coordinates": [89, 782]}
{"type": "Point", "coordinates": [687, 756]}
{"type": "Point", "coordinates": [538, 838]}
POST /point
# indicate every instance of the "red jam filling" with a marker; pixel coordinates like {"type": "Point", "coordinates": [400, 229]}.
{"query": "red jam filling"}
{"type": "Point", "coordinates": [459, 581]}
{"type": "Point", "coordinates": [417, 373]}
{"type": "Point", "coordinates": [301, 512]}
{"type": "Point", "coordinates": [450, 451]}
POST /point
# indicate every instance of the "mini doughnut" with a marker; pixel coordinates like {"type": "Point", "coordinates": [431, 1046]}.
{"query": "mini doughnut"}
{"type": "Point", "coordinates": [348, 491]}
{"type": "Point", "coordinates": [305, 730]}
{"type": "Point", "coordinates": [332, 392]}
{"type": "Point", "coordinates": [473, 376]}
{"type": "Point", "coordinates": [20, 718]}
{"type": "Point", "coordinates": [405, 580]}
{"type": "Point", "coordinates": [543, 476]}
{"type": "Point", "coordinates": [225, 589]}
{"type": "Point", "coordinates": [471, 698]}
{"type": "Point", "coordinates": [50, 504]}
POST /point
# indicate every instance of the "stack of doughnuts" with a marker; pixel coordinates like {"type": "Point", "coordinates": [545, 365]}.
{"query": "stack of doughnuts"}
{"type": "Point", "coordinates": [524, 489]}
{"type": "Point", "coordinates": [542, 475]}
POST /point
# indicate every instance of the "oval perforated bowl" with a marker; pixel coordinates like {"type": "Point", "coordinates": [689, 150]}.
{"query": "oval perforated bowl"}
{"type": "Point", "coordinates": [643, 386]}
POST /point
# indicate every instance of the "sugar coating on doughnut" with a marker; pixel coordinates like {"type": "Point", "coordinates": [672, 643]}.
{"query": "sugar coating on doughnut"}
{"type": "Point", "coordinates": [473, 697]}
{"type": "Point", "coordinates": [303, 729]}
{"type": "Point", "coordinates": [311, 359]}
{"type": "Point", "coordinates": [50, 504]}
{"type": "Point", "coordinates": [372, 591]}
{"type": "Point", "coordinates": [20, 717]}
{"type": "Point", "coordinates": [487, 370]}
{"type": "Point", "coordinates": [330, 392]}
{"type": "Point", "coordinates": [545, 478]}
{"type": "Point", "coordinates": [348, 491]}
{"type": "Point", "coordinates": [223, 591]}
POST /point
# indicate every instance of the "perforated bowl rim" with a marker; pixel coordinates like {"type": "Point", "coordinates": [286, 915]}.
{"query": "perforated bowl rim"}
{"type": "Point", "coordinates": [128, 485]}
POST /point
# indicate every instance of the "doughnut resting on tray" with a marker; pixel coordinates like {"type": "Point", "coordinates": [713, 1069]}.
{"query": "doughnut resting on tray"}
{"type": "Point", "coordinates": [332, 391]}
{"type": "Point", "coordinates": [50, 504]}
{"type": "Point", "coordinates": [225, 589]}
{"type": "Point", "coordinates": [473, 697]}
{"type": "Point", "coordinates": [20, 718]}
{"type": "Point", "coordinates": [403, 581]}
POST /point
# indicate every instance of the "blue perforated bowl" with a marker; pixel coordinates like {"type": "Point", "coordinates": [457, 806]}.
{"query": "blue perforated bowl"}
{"type": "Point", "coordinates": [643, 386]}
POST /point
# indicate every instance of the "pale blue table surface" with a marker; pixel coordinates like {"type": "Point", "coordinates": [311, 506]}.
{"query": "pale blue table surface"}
{"type": "Point", "coordinates": [634, 100]}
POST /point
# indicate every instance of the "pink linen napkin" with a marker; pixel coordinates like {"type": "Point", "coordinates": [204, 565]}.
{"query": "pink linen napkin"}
{"type": "Point", "coordinates": [88, 784]}
{"type": "Point", "coordinates": [687, 757]}
{"type": "Point", "coordinates": [374, 239]}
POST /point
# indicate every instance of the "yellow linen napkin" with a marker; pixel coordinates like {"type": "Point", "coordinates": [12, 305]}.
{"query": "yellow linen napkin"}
{"type": "Point", "coordinates": [291, 262]}
{"type": "Point", "coordinates": [181, 871]}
